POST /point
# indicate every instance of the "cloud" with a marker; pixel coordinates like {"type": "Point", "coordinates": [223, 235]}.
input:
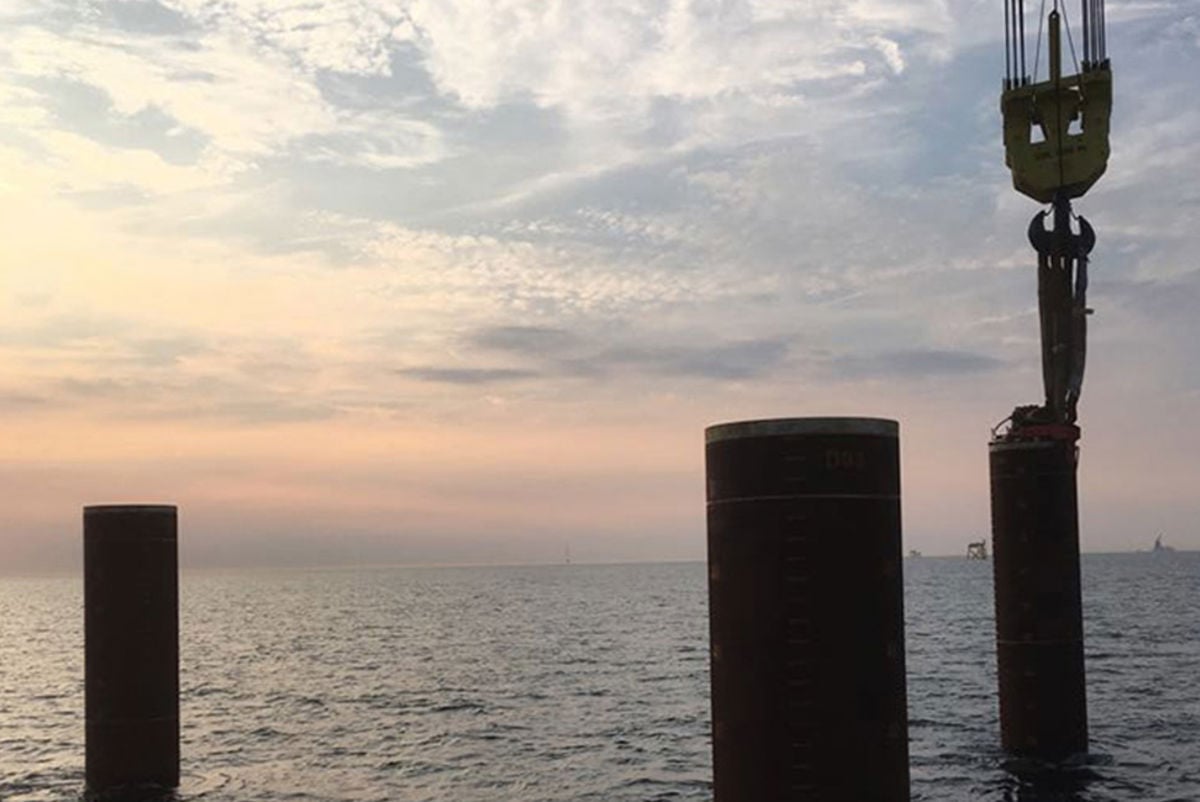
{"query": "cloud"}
{"type": "Point", "coordinates": [348, 36]}
{"type": "Point", "coordinates": [891, 51]}
{"type": "Point", "coordinates": [912, 364]}
{"type": "Point", "coordinates": [186, 399]}
{"type": "Point", "coordinates": [721, 361]}
{"type": "Point", "coordinates": [147, 16]}
{"type": "Point", "coordinates": [220, 86]}
{"type": "Point", "coordinates": [524, 340]}
{"type": "Point", "coordinates": [467, 376]}
{"type": "Point", "coordinates": [226, 87]}
{"type": "Point", "coordinates": [604, 353]}
{"type": "Point", "coordinates": [55, 331]}
{"type": "Point", "coordinates": [256, 413]}
{"type": "Point", "coordinates": [1151, 322]}
{"type": "Point", "coordinates": [16, 402]}
{"type": "Point", "coordinates": [83, 109]}
{"type": "Point", "coordinates": [367, 214]}
{"type": "Point", "coordinates": [376, 140]}
{"type": "Point", "coordinates": [616, 55]}
{"type": "Point", "coordinates": [168, 351]}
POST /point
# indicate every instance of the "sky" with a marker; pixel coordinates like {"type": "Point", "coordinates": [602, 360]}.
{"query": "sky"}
{"type": "Point", "coordinates": [464, 280]}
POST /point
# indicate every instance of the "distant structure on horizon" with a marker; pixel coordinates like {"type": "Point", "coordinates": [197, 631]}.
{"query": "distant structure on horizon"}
{"type": "Point", "coordinates": [1159, 548]}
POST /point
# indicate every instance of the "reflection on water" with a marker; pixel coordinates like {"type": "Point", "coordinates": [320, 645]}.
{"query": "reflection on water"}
{"type": "Point", "coordinates": [133, 794]}
{"type": "Point", "coordinates": [1037, 781]}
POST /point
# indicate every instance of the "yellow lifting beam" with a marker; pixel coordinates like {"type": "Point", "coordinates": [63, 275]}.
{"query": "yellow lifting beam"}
{"type": "Point", "coordinates": [1056, 131]}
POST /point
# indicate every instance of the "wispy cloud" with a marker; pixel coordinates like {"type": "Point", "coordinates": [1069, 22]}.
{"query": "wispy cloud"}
{"type": "Point", "coordinates": [912, 364]}
{"type": "Point", "coordinates": [467, 376]}
{"type": "Point", "coordinates": [562, 353]}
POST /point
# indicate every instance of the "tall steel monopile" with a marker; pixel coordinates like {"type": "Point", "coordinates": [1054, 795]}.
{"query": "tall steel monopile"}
{"type": "Point", "coordinates": [1056, 145]}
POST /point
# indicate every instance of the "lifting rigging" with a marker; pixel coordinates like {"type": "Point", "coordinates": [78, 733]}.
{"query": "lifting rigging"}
{"type": "Point", "coordinates": [1056, 130]}
{"type": "Point", "coordinates": [1056, 146]}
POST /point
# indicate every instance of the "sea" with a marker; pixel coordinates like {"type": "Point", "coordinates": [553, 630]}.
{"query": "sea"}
{"type": "Point", "coordinates": [573, 683]}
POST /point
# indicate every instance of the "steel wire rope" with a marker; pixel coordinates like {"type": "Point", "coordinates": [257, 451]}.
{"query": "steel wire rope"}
{"type": "Point", "coordinates": [1024, 72]}
{"type": "Point", "coordinates": [1083, 13]}
{"type": "Point", "coordinates": [1037, 48]}
{"type": "Point", "coordinates": [1103, 33]}
{"type": "Point", "coordinates": [1007, 45]}
{"type": "Point", "coordinates": [1071, 44]}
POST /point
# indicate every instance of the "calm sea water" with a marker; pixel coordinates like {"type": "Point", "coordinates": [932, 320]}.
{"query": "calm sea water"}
{"type": "Point", "coordinates": [575, 683]}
